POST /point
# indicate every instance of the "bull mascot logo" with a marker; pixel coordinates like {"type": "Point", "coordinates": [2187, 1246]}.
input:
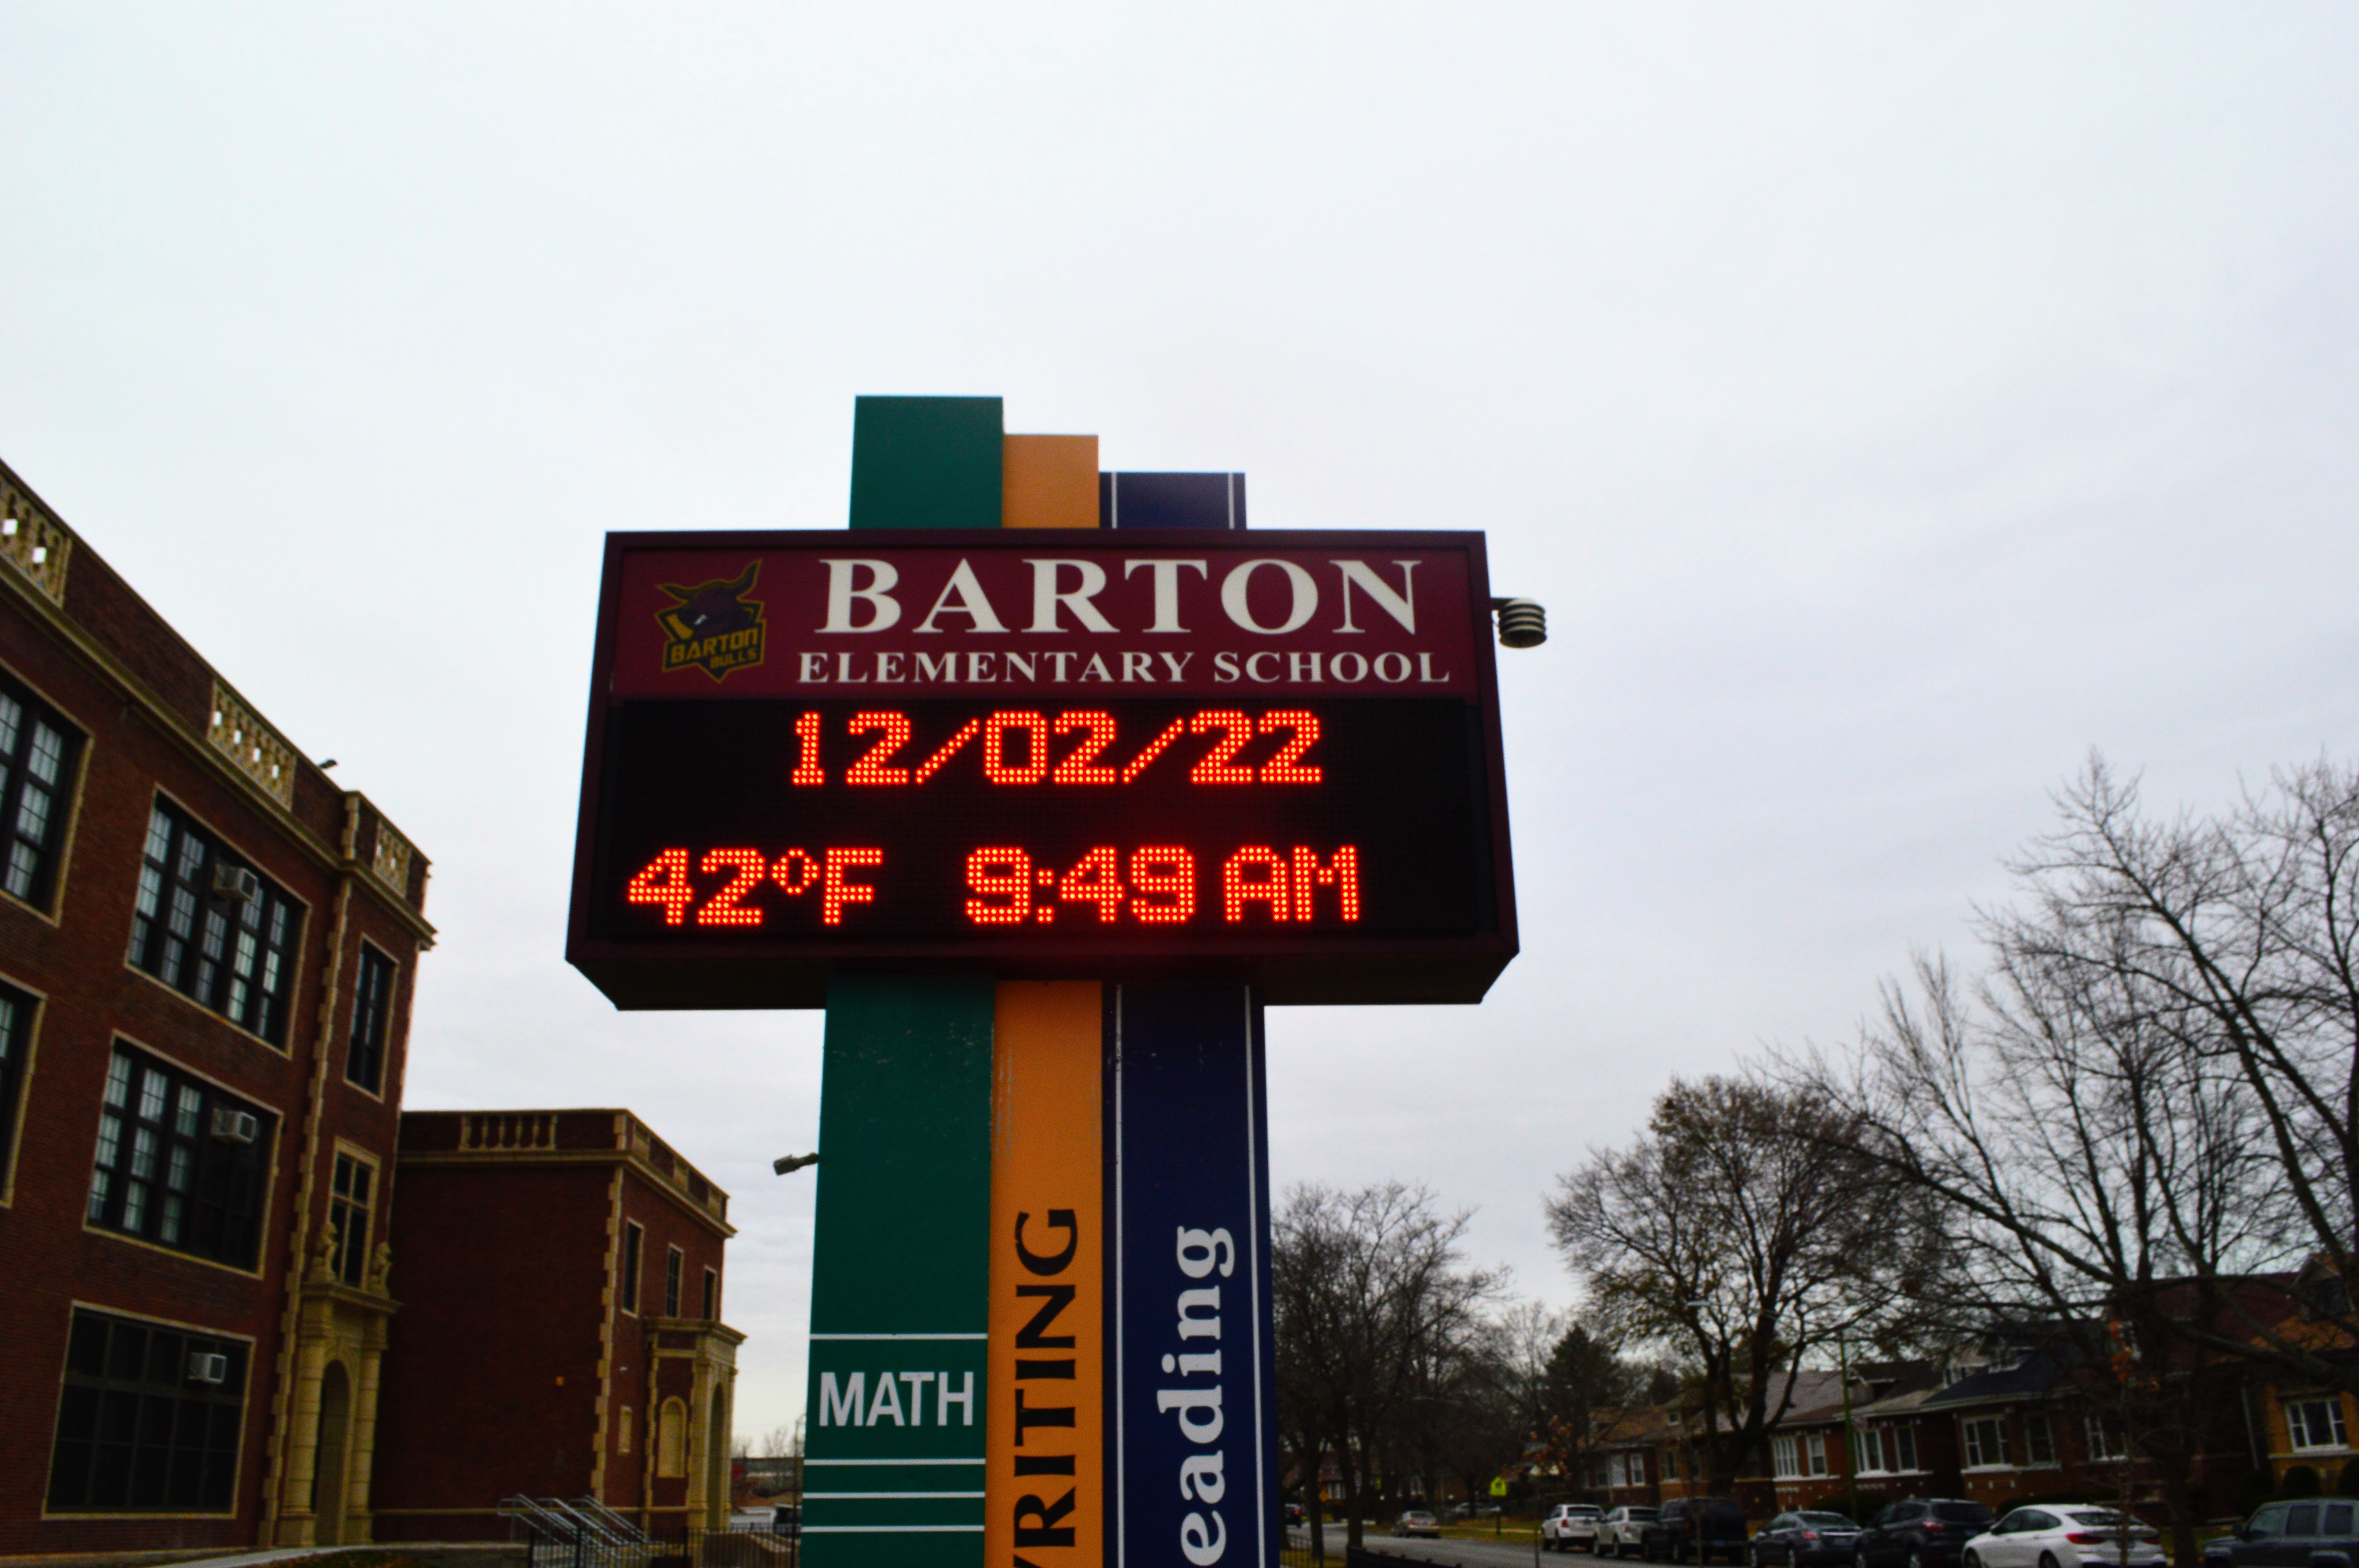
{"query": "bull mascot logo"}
{"type": "Point", "coordinates": [713, 627]}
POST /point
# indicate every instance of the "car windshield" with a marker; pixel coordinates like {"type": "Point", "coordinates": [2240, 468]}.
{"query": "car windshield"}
{"type": "Point", "coordinates": [1961, 1513]}
{"type": "Point", "coordinates": [2097, 1517]}
{"type": "Point", "coordinates": [1641, 1513]}
{"type": "Point", "coordinates": [1827, 1521]}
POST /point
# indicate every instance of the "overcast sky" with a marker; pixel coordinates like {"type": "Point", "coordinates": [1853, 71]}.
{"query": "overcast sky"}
{"type": "Point", "coordinates": [1889, 405]}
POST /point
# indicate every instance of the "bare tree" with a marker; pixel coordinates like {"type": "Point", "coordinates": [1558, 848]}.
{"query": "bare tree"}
{"type": "Point", "coordinates": [2144, 1113]}
{"type": "Point", "coordinates": [1742, 1233]}
{"type": "Point", "coordinates": [1371, 1305]}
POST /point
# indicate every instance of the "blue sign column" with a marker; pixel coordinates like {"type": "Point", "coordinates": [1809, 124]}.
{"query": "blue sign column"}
{"type": "Point", "coordinates": [1192, 1428]}
{"type": "Point", "coordinates": [1192, 1424]}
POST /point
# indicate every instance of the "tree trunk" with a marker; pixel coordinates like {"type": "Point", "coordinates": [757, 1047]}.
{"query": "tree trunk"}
{"type": "Point", "coordinates": [1352, 1511]}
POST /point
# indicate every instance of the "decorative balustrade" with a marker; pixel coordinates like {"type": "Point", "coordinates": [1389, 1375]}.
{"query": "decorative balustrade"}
{"type": "Point", "coordinates": [239, 734]}
{"type": "Point", "coordinates": [391, 858]}
{"type": "Point", "coordinates": [508, 1129]}
{"type": "Point", "coordinates": [33, 542]}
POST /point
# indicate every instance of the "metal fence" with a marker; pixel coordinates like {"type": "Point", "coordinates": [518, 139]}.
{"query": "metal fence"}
{"type": "Point", "coordinates": [582, 1532]}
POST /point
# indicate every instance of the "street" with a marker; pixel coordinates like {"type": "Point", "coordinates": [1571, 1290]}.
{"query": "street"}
{"type": "Point", "coordinates": [1460, 1553]}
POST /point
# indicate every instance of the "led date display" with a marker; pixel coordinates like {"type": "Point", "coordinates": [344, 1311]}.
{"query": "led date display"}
{"type": "Point", "coordinates": [1139, 825]}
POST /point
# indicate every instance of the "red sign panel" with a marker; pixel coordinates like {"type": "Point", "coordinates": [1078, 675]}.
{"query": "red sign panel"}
{"type": "Point", "coordinates": [1272, 757]}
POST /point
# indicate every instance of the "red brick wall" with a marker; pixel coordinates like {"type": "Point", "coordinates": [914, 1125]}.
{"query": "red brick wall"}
{"type": "Point", "coordinates": [667, 1225]}
{"type": "Point", "coordinates": [490, 1384]}
{"type": "Point", "coordinates": [47, 1259]}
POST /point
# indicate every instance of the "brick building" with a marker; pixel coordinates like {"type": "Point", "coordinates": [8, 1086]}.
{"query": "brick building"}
{"type": "Point", "coordinates": [207, 949]}
{"type": "Point", "coordinates": [614, 1384]}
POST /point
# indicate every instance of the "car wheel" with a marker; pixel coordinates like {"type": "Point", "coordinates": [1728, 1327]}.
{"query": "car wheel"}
{"type": "Point", "coordinates": [2046, 1560]}
{"type": "Point", "coordinates": [1973, 1559]}
{"type": "Point", "coordinates": [1917, 1560]}
{"type": "Point", "coordinates": [1859, 1558]}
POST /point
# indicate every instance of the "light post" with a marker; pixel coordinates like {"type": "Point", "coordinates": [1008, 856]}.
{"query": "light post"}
{"type": "Point", "coordinates": [1688, 1480]}
{"type": "Point", "coordinates": [780, 1166]}
{"type": "Point", "coordinates": [1851, 1436]}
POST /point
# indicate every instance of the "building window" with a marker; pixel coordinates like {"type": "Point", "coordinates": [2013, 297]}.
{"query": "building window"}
{"type": "Point", "coordinates": [37, 759]}
{"type": "Point", "coordinates": [1786, 1455]}
{"type": "Point", "coordinates": [212, 928]}
{"type": "Point", "coordinates": [351, 1199]}
{"type": "Point", "coordinates": [181, 1163]}
{"type": "Point", "coordinates": [623, 1432]}
{"type": "Point", "coordinates": [1986, 1442]}
{"type": "Point", "coordinates": [1866, 1451]}
{"type": "Point", "coordinates": [711, 1295]}
{"type": "Point", "coordinates": [633, 1239]}
{"type": "Point", "coordinates": [2038, 1443]}
{"type": "Point", "coordinates": [1814, 1453]}
{"type": "Point", "coordinates": [16, 1045]}
{"type": "Point", "coordinates": [1887, 1449]}
{"type": "Point", "coordinates": [372, 1015]}
{"type": "Point", "coordinates": [673, 1265]}
{"type": "Point", "coordinates": [2106, 1437]}
{"type": "Point", "coordinates": [148, 1419]}
{"type": "Point", "coordinates": [2313, 1424]}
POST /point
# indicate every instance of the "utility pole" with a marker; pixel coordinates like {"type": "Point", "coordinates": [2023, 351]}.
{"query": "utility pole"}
{"type": "Point", "coordinates": [1851, 1437]}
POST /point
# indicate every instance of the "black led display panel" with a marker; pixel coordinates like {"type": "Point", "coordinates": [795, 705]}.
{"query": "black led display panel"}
{"type": "Point", "coordinates": [760, 822]}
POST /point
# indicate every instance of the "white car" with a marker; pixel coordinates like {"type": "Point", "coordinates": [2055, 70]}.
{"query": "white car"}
{"type": "Point", "coordinates": [1622, 1531]}
{"type": "Point", "coordinates": [1569, 1525]}
{"type": "Point", "coordinates": [2063, 1535]}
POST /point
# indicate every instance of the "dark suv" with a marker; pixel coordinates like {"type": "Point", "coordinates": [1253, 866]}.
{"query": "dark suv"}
{"type": "Point", "coordinates": [1921, 1532]}
{"type": "Point", "coordinates": [1692, 1530]}
{"type": "Point", "coordinates": [2300, 1533]}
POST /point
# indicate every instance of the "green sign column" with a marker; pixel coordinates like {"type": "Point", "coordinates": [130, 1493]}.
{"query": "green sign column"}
{"type": "Point", "coordinates": [900, 1264]}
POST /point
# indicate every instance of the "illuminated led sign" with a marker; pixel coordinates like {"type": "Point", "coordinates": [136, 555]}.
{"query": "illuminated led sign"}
{"type": "Point", "coordinates": [1271, 756]}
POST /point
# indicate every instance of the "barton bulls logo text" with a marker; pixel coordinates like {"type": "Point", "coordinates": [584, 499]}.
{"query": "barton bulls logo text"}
{"type": "Point", "coordinates": [713, 627]}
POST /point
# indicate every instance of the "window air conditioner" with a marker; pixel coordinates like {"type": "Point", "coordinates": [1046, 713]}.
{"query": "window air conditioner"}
{"type": "Point", "coordinates": [235, 882]}
{"type": "Point", "coordinates": [235, 1126]}
{"type": "Point", "coordinates": [207, 1367]}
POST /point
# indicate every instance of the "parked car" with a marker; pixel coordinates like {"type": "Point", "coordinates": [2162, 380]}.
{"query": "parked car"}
{"type": "Point", "coordinates": [1921, 1532]}
{"type": "Point", "coordinates": [1695, 1530]}
{"type": "Point", "coordinates": [2299, 1532]}
{"type": "Point", "coordinates": [1805, 1538]}
{"type": "Point", "coordinates": [1571, 1525]}
{"type": "Point", "coordinates": [1416, 1521]}
{"type": "Point", "coordinates": [786, 1519]}
{"type": "Point", "coordinates": [2055, 1534]}
{"type": "Point", "coordinates": [1621, 1531]}
{"type": "Point", "coordinates": [1293, 1513]}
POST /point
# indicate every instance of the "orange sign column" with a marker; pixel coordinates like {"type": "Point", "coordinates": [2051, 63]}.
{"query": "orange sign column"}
{"type": "Point", "coordinates": [1044, 1452]}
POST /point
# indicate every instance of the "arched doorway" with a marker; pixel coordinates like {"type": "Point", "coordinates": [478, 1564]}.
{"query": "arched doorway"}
{"type": "Point", "coordinates": [327, 1465]}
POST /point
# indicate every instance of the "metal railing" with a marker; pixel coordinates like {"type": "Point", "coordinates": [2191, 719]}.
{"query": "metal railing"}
{"type": "Point", "coordinates": [586, 1534]}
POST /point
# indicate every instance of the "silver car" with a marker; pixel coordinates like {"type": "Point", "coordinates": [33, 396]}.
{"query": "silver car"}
{"type": "Point", "coordinates": [2063, 1535]}
{"type": "Point", "coordinates": [1622, 1532]}
{"type": "Point", "coordinates": [1568, 1525]}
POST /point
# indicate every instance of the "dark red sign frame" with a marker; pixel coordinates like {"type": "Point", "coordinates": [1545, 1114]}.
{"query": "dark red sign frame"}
{"type": "Point", "coordinates": [786, 968]}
